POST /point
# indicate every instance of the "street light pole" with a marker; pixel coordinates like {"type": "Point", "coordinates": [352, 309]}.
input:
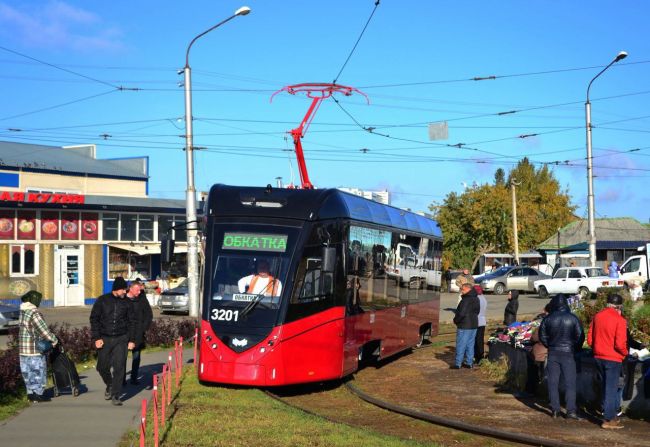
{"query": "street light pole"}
{"type": "Point", "coordinates": [515, 234]}
{"type": "Point", "coordinates": [190, 197]}
{"type": "Point", "coordinates": [590, 178]}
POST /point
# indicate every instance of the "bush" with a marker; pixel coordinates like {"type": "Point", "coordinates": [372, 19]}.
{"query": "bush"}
{"type": "Point", "coordinates": [78, 345]}
{"type": "Point", "coordinates": [11, 380]}
{"type": "Point", "coordinates": [640, 324]}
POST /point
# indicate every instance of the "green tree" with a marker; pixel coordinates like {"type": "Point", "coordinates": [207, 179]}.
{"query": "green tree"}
{"type": "Point", "coordinates": [479, 220]}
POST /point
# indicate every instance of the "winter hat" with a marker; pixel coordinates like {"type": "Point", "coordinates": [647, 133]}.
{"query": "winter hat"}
{"type": "Point", "coordinates": [33, 297]}
{"type": "Point", "coordinates": [119, 284]}
{"type": "Point", "coordinates": [615, 299]}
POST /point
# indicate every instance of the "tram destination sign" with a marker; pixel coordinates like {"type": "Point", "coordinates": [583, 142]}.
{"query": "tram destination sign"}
{"type": "Point", "coordinates": [255, 242]}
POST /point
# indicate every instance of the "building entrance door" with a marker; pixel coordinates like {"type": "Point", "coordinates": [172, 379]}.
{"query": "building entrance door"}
{"type": "Point", "coordinates": [68, 275]}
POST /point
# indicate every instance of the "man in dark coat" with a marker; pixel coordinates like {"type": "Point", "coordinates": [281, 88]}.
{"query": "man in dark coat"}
{"type": "Point", "coordinates": [143, 317]}
{"type": "Point", "coordinates": [466, 321]}
{"type": "Point", "coordinates": [112, 328]}
{"type": "Point", "coordinates": [561, 332]}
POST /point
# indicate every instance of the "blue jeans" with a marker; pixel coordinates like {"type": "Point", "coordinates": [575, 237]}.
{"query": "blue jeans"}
{"type": "Point", "coordinates": [465, 346]}
{"type": "Point", "coordinates": [610, 371]}
{"type": "Point", "coordinates": [34, 371]}
{"type": "Point", "coordinates": [561, 362]}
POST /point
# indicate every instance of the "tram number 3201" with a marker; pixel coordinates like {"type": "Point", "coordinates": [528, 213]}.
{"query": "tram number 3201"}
{"type": "Point", "coordinates": [224, 315]}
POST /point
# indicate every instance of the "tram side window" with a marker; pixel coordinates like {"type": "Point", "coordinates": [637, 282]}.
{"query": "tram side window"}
{"type": "Point", "coordinates": [366, 271]}
{"type": "Point", "coordinates": [312, 284]}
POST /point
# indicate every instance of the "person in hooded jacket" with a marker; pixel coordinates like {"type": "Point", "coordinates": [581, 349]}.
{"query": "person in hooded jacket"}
{"type": "Point", "coordinates": [143, 317]}
{"type": "Point", "coordinates": [112, 330]}
{"type": "Point", "coordinates": [31, 328]}
{"type": "Point", "coordinates": [466, 321]}
{"type": "Point", "coordinates": [562, 333]}
{"type": "Point", "coordinates": [510, 312]}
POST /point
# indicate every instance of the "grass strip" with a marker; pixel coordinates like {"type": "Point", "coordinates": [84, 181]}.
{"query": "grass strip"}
{"type": "Point", "coordinates": [205, 415]}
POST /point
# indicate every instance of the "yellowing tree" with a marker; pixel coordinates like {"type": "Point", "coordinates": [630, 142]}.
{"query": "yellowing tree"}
{"type": "Point", "coordinates": [479, 220]}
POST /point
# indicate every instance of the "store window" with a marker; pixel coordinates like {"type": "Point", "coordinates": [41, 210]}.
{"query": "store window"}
{"type": "Point", "coordinates": [128, 227]}
{"type": "Point", "coordinates": [166, 224]}
{"type": "Point", "coordinates": [23, 260]}
{"type": "Point", "coordinates": [127, 264]}
{"type": "Point", "coordinates": [110, 225]}
{"type": "Point", "coordinates": [145, 227]}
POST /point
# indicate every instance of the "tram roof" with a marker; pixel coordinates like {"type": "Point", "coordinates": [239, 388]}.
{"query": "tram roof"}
{"type": "Point", "coordinates": [314, 204]}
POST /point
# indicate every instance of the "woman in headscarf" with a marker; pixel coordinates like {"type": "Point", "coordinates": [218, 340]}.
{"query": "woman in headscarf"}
{"type": "Point", "coordinates": [32, 328]}
{"type": "Point", "coordinates": [510, 312]}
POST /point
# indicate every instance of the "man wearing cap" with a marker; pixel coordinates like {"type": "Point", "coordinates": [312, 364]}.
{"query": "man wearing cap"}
{"type": "Point", "coordinates": [608, 338]}
{"type": "Point", "coordinates": [112, 328]}
{"type": "Point", "coordinates": [466, 321]}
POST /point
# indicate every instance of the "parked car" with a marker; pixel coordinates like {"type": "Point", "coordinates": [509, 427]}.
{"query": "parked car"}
{"type": "Point", "coordinates": [494, 273]}
{"type": "Point", "coordinates": [8, 317]}
{"type": "Point", "coordinates": [574, 280]}
{"type": "Point", "coordinates": [176, 299]}
{"type": "Point", "coordinates": [516, 278]}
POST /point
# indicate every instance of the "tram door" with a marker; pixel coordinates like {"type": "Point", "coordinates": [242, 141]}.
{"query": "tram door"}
{"type": "Point", "coordinates": [68, 275]}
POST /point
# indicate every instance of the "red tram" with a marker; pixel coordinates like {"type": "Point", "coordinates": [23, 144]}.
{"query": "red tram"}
{"type": "Point", "coordinates": [300, 285]}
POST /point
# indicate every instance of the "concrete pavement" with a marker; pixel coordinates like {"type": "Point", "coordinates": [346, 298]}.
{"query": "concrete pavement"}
{"type": "Point", "coordinates": [86, 420]}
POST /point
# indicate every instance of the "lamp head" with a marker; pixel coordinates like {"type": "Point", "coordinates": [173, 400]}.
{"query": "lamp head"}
{"type": "Point", "coordinates": [621, 55]}
{"type": "Point", "coordinates": [244, 10]}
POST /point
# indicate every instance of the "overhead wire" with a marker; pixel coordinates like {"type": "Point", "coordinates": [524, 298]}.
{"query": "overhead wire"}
{"type": "Point", "coordinates": [336, 78]}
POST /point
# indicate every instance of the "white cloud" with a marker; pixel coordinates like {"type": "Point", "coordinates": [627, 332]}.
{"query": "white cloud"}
{"type": "Point", "coordinates": [58, 25]}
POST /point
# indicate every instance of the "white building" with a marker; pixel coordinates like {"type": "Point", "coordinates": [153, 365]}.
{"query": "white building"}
{"type": "Point", "coordinates": [377, 196]}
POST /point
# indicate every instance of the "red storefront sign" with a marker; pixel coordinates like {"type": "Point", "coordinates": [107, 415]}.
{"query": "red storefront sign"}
{"type": "Point", "coordinates": [26, 225]}
{"type": "Point", "coordinates": [69, 226]}
{"type": "Point", "coordinates": [7, 224]}
{"type": "Point", "coordinates": [34, 197]}
{"type": "Point", "coordinates": [49, 225]}
{"type": "Point", "coordinates": [89, 226]}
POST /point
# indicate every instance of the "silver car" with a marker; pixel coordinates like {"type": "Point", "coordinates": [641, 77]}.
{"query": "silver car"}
{"type": "Point", "coordinates": [176, 299]}
{"type": "Point", "coordinates": [8, 317]}
{"type": "Point", "coordinates": [517, 278]}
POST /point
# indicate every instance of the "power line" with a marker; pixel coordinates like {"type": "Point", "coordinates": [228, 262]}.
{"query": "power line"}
{"type": "Point", "coordinates": [57, 105]}
{"type": "Point", "coordinates": [356, 43]}
{"type": "Point", "coordinates": [494, 77]}
{"type": "Point", "coordinates": [60, 68]}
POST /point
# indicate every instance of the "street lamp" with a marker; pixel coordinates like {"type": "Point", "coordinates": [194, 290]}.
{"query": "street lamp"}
{"type": "Point", "coordinates": [190, 200]}
{"type": "Point", "coordinates": [590, 178]}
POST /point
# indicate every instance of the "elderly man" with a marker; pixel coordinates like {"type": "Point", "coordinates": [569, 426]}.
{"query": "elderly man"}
{"type": "Point", "coordinates": [464, 278]}
{"type": "Point", "coordinates": [466, 321]}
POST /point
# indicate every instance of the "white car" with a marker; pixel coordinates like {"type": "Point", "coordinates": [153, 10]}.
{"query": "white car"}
{"type": "Point", "coordinates": [574, 280]}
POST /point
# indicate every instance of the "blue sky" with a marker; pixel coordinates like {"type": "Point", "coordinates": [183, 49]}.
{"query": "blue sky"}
{"type": "Point", "coordinates": [415, 63]}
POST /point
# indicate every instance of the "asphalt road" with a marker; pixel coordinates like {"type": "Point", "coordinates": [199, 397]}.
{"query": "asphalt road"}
{"type": "Point", "coordinates": [529, 305]}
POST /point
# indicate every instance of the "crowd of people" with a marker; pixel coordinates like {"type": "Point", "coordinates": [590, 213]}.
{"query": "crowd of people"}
{"type": "Point", "coordinates": [118, 322]}
{"type": "Point", "coordinates": [556, 340]}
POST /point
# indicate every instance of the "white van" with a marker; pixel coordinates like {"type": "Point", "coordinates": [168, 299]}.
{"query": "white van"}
{"type": "Point", "coordinates": [637, 267]}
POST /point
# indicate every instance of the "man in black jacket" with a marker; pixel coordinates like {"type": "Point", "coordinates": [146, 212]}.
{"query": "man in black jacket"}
{"type": "Point", "coordinates": [466, 321]}
{"type": "Point", "coordinates": [112, 328]}
{"type": "Point", "coordinates": [143, 317]}
{"type": "Point", "coordinates": [561, 332]}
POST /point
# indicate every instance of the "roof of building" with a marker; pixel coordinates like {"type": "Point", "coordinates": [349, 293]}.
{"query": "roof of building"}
{"type": "Point", "coordinates": [611, 233]}
{"type": "Point", "coordinates": [69, 160]}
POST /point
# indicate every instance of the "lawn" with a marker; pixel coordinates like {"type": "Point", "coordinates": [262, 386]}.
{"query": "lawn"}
{"type": "Point", "coordinates": [234, 416]}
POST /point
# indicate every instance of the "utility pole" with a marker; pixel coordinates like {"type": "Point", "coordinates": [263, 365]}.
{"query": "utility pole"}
{"type": "Point", "coordinates": [513, 188]}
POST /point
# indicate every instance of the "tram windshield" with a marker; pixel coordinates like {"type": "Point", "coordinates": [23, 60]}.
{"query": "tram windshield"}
{"type": "Point", "coordinates": [249, 276]}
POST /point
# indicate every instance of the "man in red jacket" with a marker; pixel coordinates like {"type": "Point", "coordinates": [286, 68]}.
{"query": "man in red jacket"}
{"type": "Point", "coordinates": [608, 339]}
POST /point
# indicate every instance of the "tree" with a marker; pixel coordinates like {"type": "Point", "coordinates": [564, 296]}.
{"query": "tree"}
{"type": "Point", "coordinates": [480, 219]}
{"type": "Point", "coordinates": [500, 177]}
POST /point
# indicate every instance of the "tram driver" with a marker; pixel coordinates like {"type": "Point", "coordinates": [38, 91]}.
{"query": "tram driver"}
{"type": "Point", "coordinates": [260, 283]}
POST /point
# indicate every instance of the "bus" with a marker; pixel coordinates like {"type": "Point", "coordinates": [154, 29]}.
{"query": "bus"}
{"type": "Point", "coordinates": [296, 285]}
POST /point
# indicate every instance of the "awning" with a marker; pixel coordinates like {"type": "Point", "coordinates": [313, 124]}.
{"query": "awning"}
{"type": "Point", "coordinates": [143, 249]}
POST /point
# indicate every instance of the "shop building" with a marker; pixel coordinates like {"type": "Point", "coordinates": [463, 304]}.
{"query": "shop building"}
{"type": "Point", "coordinates": [70, 223]}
